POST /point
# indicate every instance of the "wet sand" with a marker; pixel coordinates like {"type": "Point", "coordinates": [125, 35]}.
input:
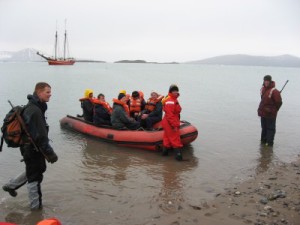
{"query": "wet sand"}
{"type": "Point", "coordinates": [270, 197]}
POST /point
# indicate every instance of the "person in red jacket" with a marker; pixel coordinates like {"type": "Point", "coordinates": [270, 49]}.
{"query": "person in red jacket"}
{"type": "Point", "coordinates": [171, 123]}
{"type": "Point", "coordinates": [268, 108]}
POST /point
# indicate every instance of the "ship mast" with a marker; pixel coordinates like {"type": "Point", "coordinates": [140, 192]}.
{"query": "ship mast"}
{"type": "Point", "coordinates": [55, 45]}
{"type": "Point", "coordinates": [65, 41]}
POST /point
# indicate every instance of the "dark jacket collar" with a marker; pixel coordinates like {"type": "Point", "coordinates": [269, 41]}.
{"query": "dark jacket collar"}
{"type": "Point", "coordinates": [34, 99]}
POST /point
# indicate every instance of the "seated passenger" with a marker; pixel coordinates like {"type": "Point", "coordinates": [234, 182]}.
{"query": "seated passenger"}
{"type": "Point", "coordinates": [136, 104]}
{"type": "Point", "coordinates": [120, 115]}
{"type": "Point", "coordinates": [87, 105]}
{"type": "Point", "coordinates": [153, 111]}
{"type": "Point", "coordinates": [102, 111]}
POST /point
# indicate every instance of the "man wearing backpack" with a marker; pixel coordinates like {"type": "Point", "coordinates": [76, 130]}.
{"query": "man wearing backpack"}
{"type": "Point", "coordinates": [38, 149]}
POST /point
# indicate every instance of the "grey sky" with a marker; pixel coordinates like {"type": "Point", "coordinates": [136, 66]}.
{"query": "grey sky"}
{"type": "Point", "coordinates": [153, 30]}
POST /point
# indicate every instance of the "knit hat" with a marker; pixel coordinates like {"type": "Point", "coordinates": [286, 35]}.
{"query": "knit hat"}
{"type": "Point", "coordinates": [123, 92]}
{"type": "Point", "coordinates": [87, 92]}
{"type": "Point", "coordinates": [268, 78]}
{"type": "Point", "coordinates": [173, 87]}
{"type": "Point", "coordinates": [120, 96]}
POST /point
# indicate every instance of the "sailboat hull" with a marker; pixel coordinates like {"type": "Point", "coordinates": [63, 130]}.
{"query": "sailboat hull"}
{"type": "Point", "coordinates": [60, 62]}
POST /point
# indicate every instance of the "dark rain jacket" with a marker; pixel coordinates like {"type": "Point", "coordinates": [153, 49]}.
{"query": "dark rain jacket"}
{"type": "Point", "coordinates": [270, 101]}
{"type": "Point", "coordinates": [35, 121]}
{"type": "Point", "coordinates": [101, 115]}
{"type": "Point", "coordinates": [88, 109]}
{"type": "Point", "coordinates": [157, 112]}
{"type": "Point", "coordinates": [120, 119]}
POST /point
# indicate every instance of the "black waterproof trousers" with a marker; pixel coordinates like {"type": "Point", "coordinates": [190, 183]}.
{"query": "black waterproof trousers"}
{"type": "Point", "coordinates": [268, 130]}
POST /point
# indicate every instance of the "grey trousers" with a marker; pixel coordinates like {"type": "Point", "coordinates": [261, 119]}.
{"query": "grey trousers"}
{"type": "Point", "coordinates": [17, 182]}
{"type": "Point", "coordinates": [34, 189]}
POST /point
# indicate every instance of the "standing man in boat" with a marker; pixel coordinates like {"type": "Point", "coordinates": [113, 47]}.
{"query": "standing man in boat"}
{"type": "Point", "coordinates": [268, 108]}
{"type": "Point", "coordinates": [171, 123]}
{"type": "Point", "coordinates": [87, 105]}
{"type": "Point", "coordinates": [34, 155]}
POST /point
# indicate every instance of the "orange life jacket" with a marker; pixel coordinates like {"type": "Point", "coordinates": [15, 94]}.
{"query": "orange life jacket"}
{"type": "Point", "coordinates": [141, 95]}
{"type": "Point", "coordinates": [104, 104]}
{"type": "Point", "coordinates": [50, 221]}
{"type": "Point", "coordinates": [82, 99]}
{"type": "Point", "coordinates": [135, 105]}
{"type": "Point", "coordinates": [125, 106]}
{"type": "Point", "coordinates": [151, 103]}
{"type": "Point", "coordinates": [163, 101]}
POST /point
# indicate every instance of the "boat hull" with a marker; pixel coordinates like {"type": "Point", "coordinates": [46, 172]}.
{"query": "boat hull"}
{"type": "Point", "coordinates": [60, 62]}
{"type": "Point", "coordinates": [150, 140]}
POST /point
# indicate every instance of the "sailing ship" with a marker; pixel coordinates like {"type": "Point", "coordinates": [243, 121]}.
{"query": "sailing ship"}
{"type": "Point", "coordinates": [56, 60]}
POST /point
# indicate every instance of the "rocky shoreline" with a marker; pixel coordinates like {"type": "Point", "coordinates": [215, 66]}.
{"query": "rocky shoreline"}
{"type": "Point", "coordinates": [272, 197]}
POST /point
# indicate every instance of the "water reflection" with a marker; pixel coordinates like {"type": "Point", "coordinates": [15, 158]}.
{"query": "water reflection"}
{"type": "Point", "coordinates": [124, 174]}
{"type": "Point", "coordinates": [265, 159]}
{"type": "Point", "coordinates": [172, 194]}
{"type": "Point", "coordinates": [19, 218]}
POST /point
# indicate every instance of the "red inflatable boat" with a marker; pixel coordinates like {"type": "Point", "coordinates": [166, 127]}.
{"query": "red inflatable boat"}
{"type": "Point", "coordinates": [151, 140]}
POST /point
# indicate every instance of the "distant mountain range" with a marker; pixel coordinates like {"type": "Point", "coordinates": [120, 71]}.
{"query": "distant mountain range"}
{"type": "Point", "coordinates": [29, 55]}
{"type": "Point", "coordinates": [25, 55]}
{"type": "Point", "coordinates": [248, 60]}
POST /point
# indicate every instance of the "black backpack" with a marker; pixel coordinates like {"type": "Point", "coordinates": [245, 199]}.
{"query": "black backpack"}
{"type": "Point", "coordinates": [13, 127]}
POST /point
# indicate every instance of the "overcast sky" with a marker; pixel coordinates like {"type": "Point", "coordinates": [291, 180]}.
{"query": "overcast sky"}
{"type": "Point", "coordinates": [153, 30]}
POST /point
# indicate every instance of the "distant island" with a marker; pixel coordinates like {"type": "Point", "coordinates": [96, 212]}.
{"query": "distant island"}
{"type": "Point", "coordinates": [248, 60]}
{"type": "Point", "coordinates": [89, 61]}
{"type": "Point", "coordinates": [29, 55]}
{"type": "Point", "coordinates": [143, 61]}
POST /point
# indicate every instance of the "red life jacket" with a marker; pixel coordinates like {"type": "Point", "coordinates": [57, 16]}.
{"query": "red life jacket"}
{"type": "Point", "coordinates": [151, 103]}
{"type": "Point", "coordinates": [90, 99]}
{"type": "Point", "coordinates": [125, 106]}
{"type": "Point", "coordinates": [104, 104]}
{"type": "Point", "coordinates": [135, 105]}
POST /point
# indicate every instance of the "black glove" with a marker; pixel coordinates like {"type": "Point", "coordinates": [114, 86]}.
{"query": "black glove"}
{"type": "Point", "coordinates": [52, 158]}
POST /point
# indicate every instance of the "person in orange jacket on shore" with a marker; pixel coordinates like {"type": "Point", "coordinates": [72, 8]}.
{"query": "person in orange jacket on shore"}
{"type": "Point", "coordinates": [268, 108]}
{"type": "Point", "coordinates": [171, 123]}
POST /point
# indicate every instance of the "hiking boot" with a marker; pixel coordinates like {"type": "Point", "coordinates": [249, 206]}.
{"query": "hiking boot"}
{"type": "Point", "coordinates": [263, 142]}
{"type": "Point", "coordinates": [269, 144]}
{"type": "Point", "coordinates": [12, 192]}
{"type": "Point", "coordinates": [165, 151]}
{"type": "Point", "coordinates": [178, 156]}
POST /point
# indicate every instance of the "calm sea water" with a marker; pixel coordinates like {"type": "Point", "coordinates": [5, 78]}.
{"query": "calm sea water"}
{"type": "Point", "coordinates": [99, 183]}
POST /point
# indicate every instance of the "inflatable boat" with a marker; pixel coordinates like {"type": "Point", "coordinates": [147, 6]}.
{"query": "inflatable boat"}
{"type": "Point", "coordinates": [150, 140]}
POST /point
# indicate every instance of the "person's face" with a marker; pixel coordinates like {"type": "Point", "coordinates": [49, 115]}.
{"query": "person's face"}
{"type": "Point", "coordinates": [174, 93]}
{"type": "Point", "coordinates": [45, 94]}
{"type": "Point", "coordinates": [102, 98]}
{"type": "Point", "coordinates": [91, 95]}
{"type": "Point", "coordinates": [154, 95]}
{"type": "Point", "coordinates": [124, 99]}
{"type": "Point", "coordinates": [266, 83]}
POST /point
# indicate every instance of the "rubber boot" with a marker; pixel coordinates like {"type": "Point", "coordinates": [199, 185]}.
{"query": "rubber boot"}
{"type": "Point", "coordinates": [14, 184]}
{"type": "Point", "coordinates": [165, 151]}
{"type": "Point", "coordinates": [35, 195]}
{"type": "Point", "coordinates": [178, 156]}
